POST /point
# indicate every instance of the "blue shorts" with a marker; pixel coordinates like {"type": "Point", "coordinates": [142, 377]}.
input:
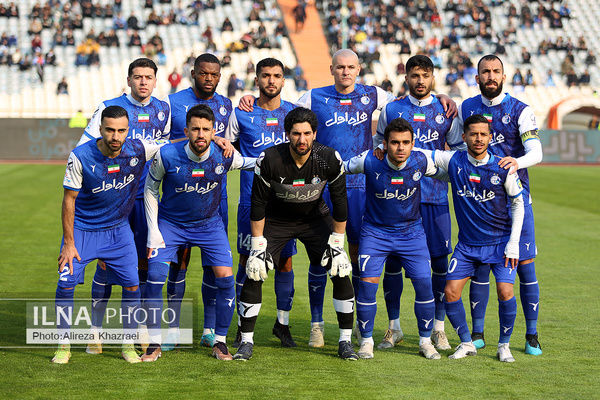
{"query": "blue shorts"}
{"type": "Point", "coordinates": [209, 237]}
{"type": "Point", "coordinates": [244, 235]}
{"type": "Point", "coordinates": [224, 212]}
{"type": "Point", "coordinates": [139, 226]}
{"type": "Point", "coordinates": [527, 246]}
{"type": "Point", "coordinates": [113, 246]}
{"type": "Point", "coordinates": [437, 225]}
{"type": "Point", "coordinates": [467, 258]}
{"type": "Point", "coordinates": [409, 250]}
{"type": "Point", "coordinates": [356, 211]}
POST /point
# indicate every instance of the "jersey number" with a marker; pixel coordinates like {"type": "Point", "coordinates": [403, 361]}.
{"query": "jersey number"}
{"type": "Point", "coordinates": [363, 264]}
{"type": "Point", "coordinates": [244, 241]}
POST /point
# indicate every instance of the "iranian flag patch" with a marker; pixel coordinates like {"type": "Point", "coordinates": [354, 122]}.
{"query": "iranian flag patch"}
{"type": "Point", "coordinates": [346, 102]}
{"type": "Point", "coordinates": [198, 173]}
{"type": "Point", "coordinates": [113, 168]}
{"type": "Point", "coordinates": [298, 182]}
{"type": "Point", "coordinates": [419, 117]}
{"type": "Point", "coordinates": [272, 122]}
{"type": "Point", "coordinates": [488, 117]}
{"type": "Point", "coordinates": [398, 180]}
{"type": "Point", "coordinates": [143, 117]}
{"type": "Point", "coordinates": [474, 178]}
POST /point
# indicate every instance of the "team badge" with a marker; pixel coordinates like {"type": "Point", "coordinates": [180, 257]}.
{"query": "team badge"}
{"type": "Point", "coordinates": [417, 175]}
{"type": "Point", "coordinates": [219, 170]}
{"type": "Point", "coordinates": [365, 100]}
{"type": "Point", "coordinates": [70, 165]}
{"type": "Point", "coordinates": [223, 110]}
{"type": "Point", "coordinates": [495, 179]}
{"type": "Point", "coordinates": [316, 180]}
{"type": "Point", "coordinates": [154, 162]}
{"type": "Point", "coordinates": [506, 119]}
{"type": "Point", "coordinates": [134, 161]}
{"type": "Point", "coordinates": [161, 116]}
{"type": "Point", "coordinates": [439, 119]}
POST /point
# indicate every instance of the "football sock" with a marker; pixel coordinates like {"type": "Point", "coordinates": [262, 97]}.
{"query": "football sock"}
{"type": "Point", "coordinates": [507, 312]}
{"type": "Point", "coordinates": [130, 303]}
{"type": "Point", "coordinates": [530, 295]}
{"type": "Point", "coordinates": [64, 312]}
{"type": "Point", "coordinates": [249, 305]}
{"type": "Point", "coordinates": [424, 306]}
{"type": "Point", "coordinates": [455, 311]}
{"type": "Point", "coordinates": [225, 304]}
{"type": "Point", "coordinates": [175, 291]}
{"type": "Point", "coordinates": [439, 267]}
{"type": "Point", "coordinates": [283, 317]}
{"type": "Point", "coordinates": [209, 297]}
{"type": "Point", "coordinates": [284, 290]}
{"type": "Point", "coordinates": [479, 295]}
{"type": "Point", "coordinates": [240, 278]}
{"type": "Point", "coordinates": [101, 292]}
{"type": "Point", "coordinates": [343, 301]}
{"type": "Point", "coordinates": [317, 280]}
{"type": "Point", "coordinates": [355, 278]}
{"type": "Point", "coordinates": [366, 307]}
{"type": "Point", "coordinates": [392, 288]}
{"type": "Point", "coordinates": [157, 275]}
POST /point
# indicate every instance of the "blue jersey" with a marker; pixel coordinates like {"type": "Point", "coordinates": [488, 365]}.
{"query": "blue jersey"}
{"type": "Point", "coordinates": [431, 132]}
{"type": "Point", "coordinates": [345, 120]}
{"type": "Point", "coordinates": [393, 193]}
{"type": "Point", "coordinates": [513, 123]}
{"type": "Point", "coordinates": [183, 100]}
{"type": "Point", "coordinates": [256, 131]}
{"type": "Point", "coordinates": [481, 197]}
{"type": "Point", "coordinates": [146, 121]}
{"type": "Point", "coordinates": [106, 186]}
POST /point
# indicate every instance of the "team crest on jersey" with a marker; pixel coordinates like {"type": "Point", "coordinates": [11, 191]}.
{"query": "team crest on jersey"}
{"type": "Point", "coordinates": [439, 119]}
{"type": "Point", "coordinates": [316, 180]}
{"type": "Point", "coordinates": [417, 175]}
{"type": "Point", "coordinates": [134, 161]}
{"type": "Point", "coordinates": [365, 99]}
{"type": "Point", "coordinates": [161, 116]}
{"type": "Point", "coordinates": [220, 169]}
{"type": "Point", "coordinates": [223, 110]}
{"type": "Point", "coordinates": [495, 179]}
{"type": "Point", "coordinates": [506, 119]}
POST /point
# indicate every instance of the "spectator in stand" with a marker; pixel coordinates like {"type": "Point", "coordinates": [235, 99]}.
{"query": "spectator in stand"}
{"type": "Point", "coordinates": [234, 85]}
{"type": "Point", "coordinates": [62, 87]}
{"type": "Point", "coordinates": [50, 57]}
{"type": "Point", "coordinates": [227, 25]}
{"type": "Point", "coordinates": [38, 64]}
{"type": "Point", "coordinates": [35, 27]}
{"type": "Point", "coordinates": [528, 80]}
{"type": "Point", "coordinates": [517, 79]}
{"type": "Point", "coordinates": [132, 22]}
{"type": "Point", "coordinates": [451, 76]}
{"type": "Point", "coordinates": [590, 59]}
{"type": "Point", "coordinates": [119, 22]}
{"type": "Point", "coordinates": [386, 85]}
{"type": "Point", "coordinates": [174, 79]}
{"type": "Point", "coordinates": [135, 40]}
{"type": "Point", "coordinates": [301, 83]}
{"type": "Point", "coordinates": [549, 79]}
{"type": "Point", "coordinates": [525, 56]}
{"type": "Point", "coordinates": [584, 79]}
{"type": "Point", "coordinates": [36, 43]}
{"type": "Point", "coordinates": [572, 79]}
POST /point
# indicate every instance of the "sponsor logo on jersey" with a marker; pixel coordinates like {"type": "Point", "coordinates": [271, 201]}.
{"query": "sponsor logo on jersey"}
{"type": "Point", "coordinates": [272, 122]}
{"type": "Point", "coordinates": [439, 119]}
{"type": "Point", "coordinates": [488, 117]}
{"type": "Point", "coordinates": [346, 102]}
{"type": "Point", "coordinates": [134, 161]}
{"type": "Point", "coordinates": [397, 180]}
{"type": "Point", "coordinates": [497, 138]}
{"type": "Point", "coordinates": [419, 117]}
{"type": "Point", "coordinates": [430, 136]}
{"type": "Point", "coordinates": [299, 197]}
{"type": "Point", "coordinates": [474, 178]}
{"type": "Point", "coordinates": [143, 117]}
{"type": "Point", "coordinates": [506, 119]}
{"type": "Point", "coordinates": [487, 195]}
{"type": "Point", "coordinates": [197, 188]}
{"type": "Point", "coordinates": [417, 175]}
{"type": "Point", "coordinates": [117, 185]}
{"type": "Point", "coordinates": [142, 134]}
{"type": "Point", "coordinates": [161, 116]}
{"type": "Point", "coordinates": [495, 179]}
{"type": "Point", "coordinates": [270, 139]}
{"type": "Point", "coordinates": [219, 127]}
{"type": "Point", "coordinates": [397, 194]}
{"type": "Point", "coordinates": [365, 100]}
{"type": "Point", "coordinates": [298, 182]}
{"type": "Point", "coordinates": [345, 118]}
{"type": "Point", "coordinates": [112, 169]}
{"type": "Point", "coordinates": [198, 173]}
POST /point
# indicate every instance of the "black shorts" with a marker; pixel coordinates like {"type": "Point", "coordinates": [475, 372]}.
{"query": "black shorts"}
{"type": "Point", "coordinates": [314, 234]}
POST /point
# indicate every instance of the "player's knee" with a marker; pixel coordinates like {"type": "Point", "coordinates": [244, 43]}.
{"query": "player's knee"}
{"type": "Point", "coordinates": [525, 262]}
{"type": "Point", "coordinates": [222, 272]}
{"type": "Point", "coordinates": [371, 279]}
{"type": "Point", "coordinates": [102, 265]}
{"type": "Point", "coordinates": [452, 292]}
{"type": "Point", "coordinates": [505, 291]}
{"type": "Point", "coordinates": [131, 288]}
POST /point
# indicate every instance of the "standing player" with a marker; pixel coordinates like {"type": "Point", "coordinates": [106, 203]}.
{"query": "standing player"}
{"type": "Point", "coordinates": [426, 115]}
{"type": "Point", "coordinates": [488, 232]}
{"type": "Point", "coordinates": [191, 174]}
{"type": "Point", "coordinates": [287, 203]}
{"type": "Point", "coordinates": [515, 140]}
{"type": "Point", "coordinates": [205, 79]}
{"type": "Point", "coordinates": [254, 132]}
{"type": "Point", "coordinates": [392, 226]}
{"type": "Point", "coordinates": [100, 184]}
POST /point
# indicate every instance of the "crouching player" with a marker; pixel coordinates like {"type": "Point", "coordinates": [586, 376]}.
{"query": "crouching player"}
{"type": "Point", "coordinates": [392, 226]}
{"type": "Point", "coordinates": [191, 173]}
{"type": "Point", "coordinates": [100, 185]}
{"type": "Point", "coordinates": [489, 230]}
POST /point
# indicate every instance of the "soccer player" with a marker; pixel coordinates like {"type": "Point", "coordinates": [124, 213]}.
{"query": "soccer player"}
{"type": "Point", "coordinates": [252, 133]}
{"type": "Point", "coordinates": [101, 182]}
{"type": "Point", "coordinates": [515, 140]}
{"type": "Point", "coordinates": [488, 231]}
{"type": "Point", "coordinates": [205, 79]}
{"type": "Point", "coordinates": [427, 117]}
{"type": "Point", "coordinates": [191, 173]}
{"type": "Point", "coordinates": [287, 203]}
{"type": "Point", "coordinates": [392, 226]}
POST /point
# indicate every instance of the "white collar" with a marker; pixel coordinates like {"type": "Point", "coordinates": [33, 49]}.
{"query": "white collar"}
{"type": "Point", "coordinates": [495, 101]}
{"type": "Point", "coordinates": [476, 162]}
{"type": "Point", "coordinates": [394, 166]}
{"type": "Point", "coordinates": [422, 102]}
{"type": "Point", "coordinates": [137, 103]}
{"type": "Point", "coordinates": [192, 156]}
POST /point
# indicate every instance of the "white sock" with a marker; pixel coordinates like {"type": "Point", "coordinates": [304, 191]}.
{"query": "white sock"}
{"type": "Point", "coordinates": [368, 340]}
{"type": "Point", "coordinates": [319, 324]}
{"type": "Point", "coordinates": [438, 325]}
{"type": "Point", "coordinates": [219, 338]}
{"type": "Point", "coordinates": [155, 338]}
{"type": "Point", "coordinates": [248, 337]}
{"type": "Point", "coordinates": [345, 335]}
{"type": "Point", "coordinates": [424, 340]}
{"type": "Point", "coordinates": [173, 330]}
{"type": "Point", "coordinates": [395, 324]}
{"type": "Point", "coordinates": [207, 331]}
{"type": "Point", "coordinates": [283, 317]}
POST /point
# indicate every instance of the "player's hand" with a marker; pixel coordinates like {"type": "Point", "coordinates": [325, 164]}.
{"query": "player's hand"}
{"type": "Point", "coordinates": [247, 103]}
{"type": "Point", "coordinates": [149, 251]}
{"type": "Point", "coordinates": [335, 253]}
{"type": "Point", "coordinates": [511, 254]}
{"type": "Point", "coordinates": [449, 105]}
{"type": "Point", "coordinates": [259, 261]}
{"type": "Point", "coordinates": [66, 256]}
{"type": "Point", "coordinates": [378, 153]}
{"type": "Point", "coordinates": [509, 162]}
{"type": "Point", "coordinates": [225, 145]}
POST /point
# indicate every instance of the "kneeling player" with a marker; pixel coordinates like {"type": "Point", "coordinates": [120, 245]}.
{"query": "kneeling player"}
{"type": "Point", "coordinates": [488, 233]}
{"type": "Point", "coordinates": [287, 203]}
{"type": "Point", "coordinates": [392, 226]}
{"type": "Point", "coordinates": [188, 215]}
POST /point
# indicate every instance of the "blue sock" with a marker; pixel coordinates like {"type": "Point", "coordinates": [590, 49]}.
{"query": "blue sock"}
{"type": "Point", "coordinates": [240, 278]}
{"type": "Point", "coordinates": [393, 284]}
{"type": "Point", "coordinates": [64, 309]}
{"type": "Point", "coordinates": [317, 279]}
{"type": "Point", "coordinates": [530, 295]}
{"type": "Point", "coordinates": [175, 292]}
{"type": "Point", "coordinates": [455, 311]}
{"type": "Point", "coordinates": [130, 303]}
{"type": "Point", "coordinates": [153, 304]}
{"type": "Point", "coordinates": [479, 296]}
{"type": "Point", "coordinates": [507, 311]}
{"type": "Point", "coordinates": [424, 306]}
{"type": "Point", "coordinates": [439, 268]}
{"type": "Point", "coordinates": [284, 290]}
{"type": "Point", "coordinates": [209, 298]}
{"type": "Point", "coordinates": [225, 304]}
{"type": "Point", "coordinates": [143, 276]}
{"type": "Point", "coordinates": [101, 292]}
{"type": "Point", "coordinates": [366, 307]}
{"type": "Point", "coordinates": [355, 279]}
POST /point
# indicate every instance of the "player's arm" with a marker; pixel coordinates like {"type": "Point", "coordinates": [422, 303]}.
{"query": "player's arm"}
{"type": "Point", "coordinates": [232, 132]}
{"type": "Point", "coordinates": [528, 131]}
{"type": "Point", "coordinates": [152, 146]}
{"type": "Point", "coordinates": [151, 197]}
{"type": "Point", "coordinates": [448, 104]}
{"type": "Point", "coordinates": [72, 183]}
{"type": "Point", "coordinates": [92, 131]}
{"type": "Point", "coordinates": [514, 189]}
{"type": "Point", "coordinates": [356, 165]}
{"type": "Point", "coordinates": [167, 130]}
{"type": "Point", "coordinates": [437, 162]}
{"type": "Point", "coordinates": [305, 100]}
{"type": "Point", "coordinates": [241, 162]}
{"type": "Point", "coordinates": [378, 137]}
{"type": "Point", "coordinates": [454, 135]}
{"type": "Point", "coordinates": [383, 98]}
{"type": "Point", "coordinates": [247, 103]}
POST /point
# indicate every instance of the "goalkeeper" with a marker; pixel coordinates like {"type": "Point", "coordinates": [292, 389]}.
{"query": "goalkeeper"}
{"type": "Point", "coordinates": [287, 203]}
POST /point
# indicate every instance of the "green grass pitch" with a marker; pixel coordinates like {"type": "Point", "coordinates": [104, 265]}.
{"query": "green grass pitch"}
{"type": "Point", "coordinates": [567, 213]}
